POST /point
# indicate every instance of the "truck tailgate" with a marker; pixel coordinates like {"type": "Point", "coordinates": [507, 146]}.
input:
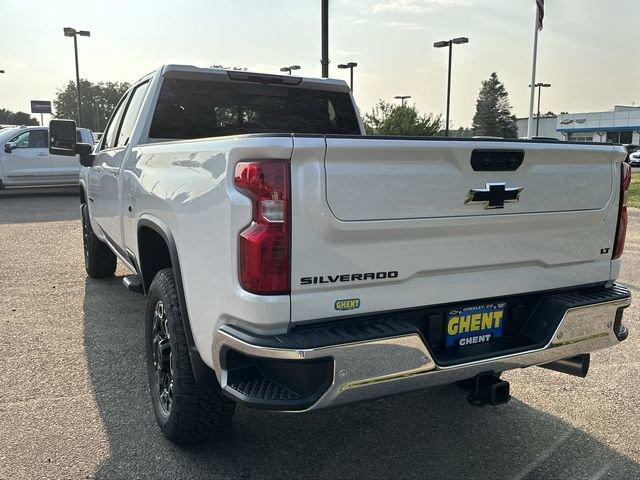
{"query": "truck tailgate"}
{"type": "Point", "coordinates": [393, 180]}
{"type": "Point", "coordinates": [399, 223]}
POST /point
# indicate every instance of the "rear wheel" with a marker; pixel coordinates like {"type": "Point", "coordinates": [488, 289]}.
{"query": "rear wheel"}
{"type": "Point", "coordinates": [99, 260]}
{"type": "Point", "coordinates": [187, 413]}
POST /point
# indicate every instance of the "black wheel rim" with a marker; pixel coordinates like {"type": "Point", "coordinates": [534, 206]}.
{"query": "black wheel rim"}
{"type": "Point", "coordinates": [163, 372]}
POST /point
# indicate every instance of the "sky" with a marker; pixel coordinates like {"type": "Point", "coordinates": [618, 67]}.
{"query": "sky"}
{"type": "Point", "coordinates": [589, 49]}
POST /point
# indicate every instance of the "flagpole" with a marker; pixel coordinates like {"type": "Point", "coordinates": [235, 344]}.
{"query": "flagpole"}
{"type": "Point", "coordinates": [533, 75]}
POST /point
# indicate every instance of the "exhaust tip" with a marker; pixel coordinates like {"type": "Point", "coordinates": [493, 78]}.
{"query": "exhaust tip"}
{"type": "Point", "coordinates": [577, 366]}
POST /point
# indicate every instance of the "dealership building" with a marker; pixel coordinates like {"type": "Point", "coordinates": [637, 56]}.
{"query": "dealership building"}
{"type": "Point", "coordinates": [621, 125]}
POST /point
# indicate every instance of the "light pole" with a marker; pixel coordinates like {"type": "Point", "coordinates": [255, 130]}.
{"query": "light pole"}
{"type": "Point", "coordinates": [449, 43]}
{"type": "Point", "coordinates": [72, 32]}
{"type": "Point", "coordinates": [540, 87]}
{"type": "Point", "coordinates": [350, 66]}
{"type": "Point", "coordinates": [289, 68]}
{"type": "Point", "coordinates": [324, 20]}
{"type": "Point", "coordinates": [402, 98]}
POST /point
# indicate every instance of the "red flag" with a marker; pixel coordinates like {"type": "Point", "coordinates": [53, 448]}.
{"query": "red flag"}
{"type": "Point", "coordinates": [540, 13]}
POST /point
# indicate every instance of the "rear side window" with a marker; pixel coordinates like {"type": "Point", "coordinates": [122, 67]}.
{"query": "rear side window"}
{"type": "Point", "coordinates": [114, 124]}
{"type": "Point", "coordinates": [200, 108]}
{"type": "Point", "coordinates": [131, 114]}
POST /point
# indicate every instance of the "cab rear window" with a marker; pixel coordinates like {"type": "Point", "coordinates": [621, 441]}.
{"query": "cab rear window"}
{"type": "Point", "coordinates": [188, 109]}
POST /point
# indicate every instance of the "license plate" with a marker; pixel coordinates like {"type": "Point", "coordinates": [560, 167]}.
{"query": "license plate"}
{"type": "Point", "coordinates": [474, 325]}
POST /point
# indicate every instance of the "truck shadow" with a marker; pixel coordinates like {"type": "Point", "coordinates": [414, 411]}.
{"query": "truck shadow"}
{"type": "Point", "coordinates": [37, 207]}
{"type": "Point", "coordinates": [428, 434]}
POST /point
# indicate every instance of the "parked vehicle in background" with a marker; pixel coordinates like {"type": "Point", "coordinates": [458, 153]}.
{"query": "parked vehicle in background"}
{"type": "Point", "coordinates": [634, 159]}
{"type": "Point", "coordinates": [25, 160]}
{"type": "Point", "coordinates": [631, 148]}
{"type": "Point", "coordinates": [299, 271]}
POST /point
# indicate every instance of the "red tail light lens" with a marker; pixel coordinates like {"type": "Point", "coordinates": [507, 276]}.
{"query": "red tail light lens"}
{"type": "Point", "coordinates": [621, 231]}
{"type": "Point", "coordinates": [264, 246]}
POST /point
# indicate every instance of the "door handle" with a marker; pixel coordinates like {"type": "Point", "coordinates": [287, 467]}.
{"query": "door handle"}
{"type": "Point", "coordinates": [113, 170]}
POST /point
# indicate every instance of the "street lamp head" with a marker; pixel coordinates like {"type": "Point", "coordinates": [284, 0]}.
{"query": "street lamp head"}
{"type": "Point", "coordinates": [402, 97]}
{"type": "Point", "coordinates": [545, 85]}
{"type": "Point", "coordinates": [460, 40]}
{"type": "Point", "coordinates": [289, 68]}
{"type": "Point", "coordinates": [444, 43]}
{"type": "Point", "coordinates": [1, 71]}
{"type": "Point", "coordinates": [72, 32]}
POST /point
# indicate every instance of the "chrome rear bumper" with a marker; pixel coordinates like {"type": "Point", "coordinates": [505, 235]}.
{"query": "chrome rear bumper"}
{"type": "Point", "coordinates": [392, 365]}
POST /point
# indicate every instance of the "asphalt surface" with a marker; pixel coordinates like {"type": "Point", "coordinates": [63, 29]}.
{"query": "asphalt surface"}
{"type": "Point", "coordinates": [74, 400]}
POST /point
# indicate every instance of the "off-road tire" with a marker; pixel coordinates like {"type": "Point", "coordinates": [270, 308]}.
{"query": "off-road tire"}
{"type": "Point", "coordinates": [196, 413]}
{"type": "Point", "coordinates": [99, 260]}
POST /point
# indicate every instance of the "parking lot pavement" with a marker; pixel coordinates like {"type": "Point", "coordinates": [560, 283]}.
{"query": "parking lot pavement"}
{"type": "Point", "coordinates": [74, 400]}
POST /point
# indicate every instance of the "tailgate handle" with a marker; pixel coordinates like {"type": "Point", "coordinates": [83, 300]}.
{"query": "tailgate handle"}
{"type": "Point", "coordinates": [496, 160]}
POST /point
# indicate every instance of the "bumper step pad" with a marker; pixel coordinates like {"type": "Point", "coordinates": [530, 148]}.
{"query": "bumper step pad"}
{"type": "Point", "coordinates": [264, 389]}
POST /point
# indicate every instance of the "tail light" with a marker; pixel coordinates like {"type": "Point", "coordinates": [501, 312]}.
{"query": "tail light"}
{"type": "Point", "coordinates": [621, 231]}
{"type": "Point", "coordinates": [264, 246]}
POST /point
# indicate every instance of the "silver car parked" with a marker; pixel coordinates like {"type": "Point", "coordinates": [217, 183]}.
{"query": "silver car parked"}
{"type": "Point", "coordinates": [25, 160]}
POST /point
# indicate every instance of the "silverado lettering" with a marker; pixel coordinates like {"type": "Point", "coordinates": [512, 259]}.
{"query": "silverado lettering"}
{"type": "Point", "coordinates": [348, 277]}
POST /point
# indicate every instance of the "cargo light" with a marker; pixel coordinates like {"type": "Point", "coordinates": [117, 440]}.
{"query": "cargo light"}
{"type": "Point", "coordinates": [621, 231]}
{"type": "Point", "coordinates": [264, 246]}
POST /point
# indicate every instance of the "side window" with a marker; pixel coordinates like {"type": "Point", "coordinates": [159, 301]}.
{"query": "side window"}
{"type": "Point", "coordinates": [112, 129]}
{"type": "Point", "coordinates": [22, 140]}
{"type": "Point", "coordinates": [78, 137]}
{"type": "Point", "coordinates": [32, 139]}
{"type": "Point", "coordinates": [38, 139]}
{"type": "Point", "coordinates": [135, 103]}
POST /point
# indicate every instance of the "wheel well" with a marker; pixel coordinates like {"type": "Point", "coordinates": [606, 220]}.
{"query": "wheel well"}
{"type": "Point", "coordinates": [153, 253]}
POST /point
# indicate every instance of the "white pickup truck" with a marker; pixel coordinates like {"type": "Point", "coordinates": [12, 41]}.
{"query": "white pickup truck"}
{"type": "Point", "coordinates": [292, 263]}
{"type": "Point", "coordinates": [25, 160]}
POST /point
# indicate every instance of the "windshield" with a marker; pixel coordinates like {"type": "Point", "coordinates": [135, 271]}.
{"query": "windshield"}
{"type": "Point", "coordinates": [7, 133]}
{"type": "Point", "coordinates": [200, 108]}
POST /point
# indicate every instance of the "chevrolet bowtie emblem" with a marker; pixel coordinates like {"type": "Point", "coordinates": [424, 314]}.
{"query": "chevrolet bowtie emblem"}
{"type": "Point", "coordinates": [494, 195]}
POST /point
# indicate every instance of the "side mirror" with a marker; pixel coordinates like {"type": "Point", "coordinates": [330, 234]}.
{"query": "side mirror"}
{"type": "Point", "coordinates": [85, 151]}
{"type": "Point", "coordinates": [62, 138]}
{"type": "Point", "coordinates": [9, 146]}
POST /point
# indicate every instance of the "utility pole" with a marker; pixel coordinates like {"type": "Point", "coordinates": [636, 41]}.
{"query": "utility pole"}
{"type": "Point", "coordinates": [449, 43]}
{"type": "Point", "coordinates": [540, 87]}
{"type": "Point", "coordinates": [72, 32]}
{"type": "Point", "coordinates": [350, 66]}
{"type": "Point", "coordinates": [325, 39]}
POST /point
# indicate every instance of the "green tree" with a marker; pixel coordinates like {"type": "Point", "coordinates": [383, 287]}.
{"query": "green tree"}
{"type": "Point", "coordinates": [493, 112]}
{"type": "Point", "coordinates": [98, 102]}
{"type": "Point", "coordinates": [16, 118]}
{"type": "Point", "coordinates": [392, 119]}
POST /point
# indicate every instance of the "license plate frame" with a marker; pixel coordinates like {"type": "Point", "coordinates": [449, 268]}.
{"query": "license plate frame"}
{"type": "Point", "coordinates": [474, 324]}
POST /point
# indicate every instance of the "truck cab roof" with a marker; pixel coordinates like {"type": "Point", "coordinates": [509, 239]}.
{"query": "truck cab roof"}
{"type": "Point", "coordinates": [191, 71]}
